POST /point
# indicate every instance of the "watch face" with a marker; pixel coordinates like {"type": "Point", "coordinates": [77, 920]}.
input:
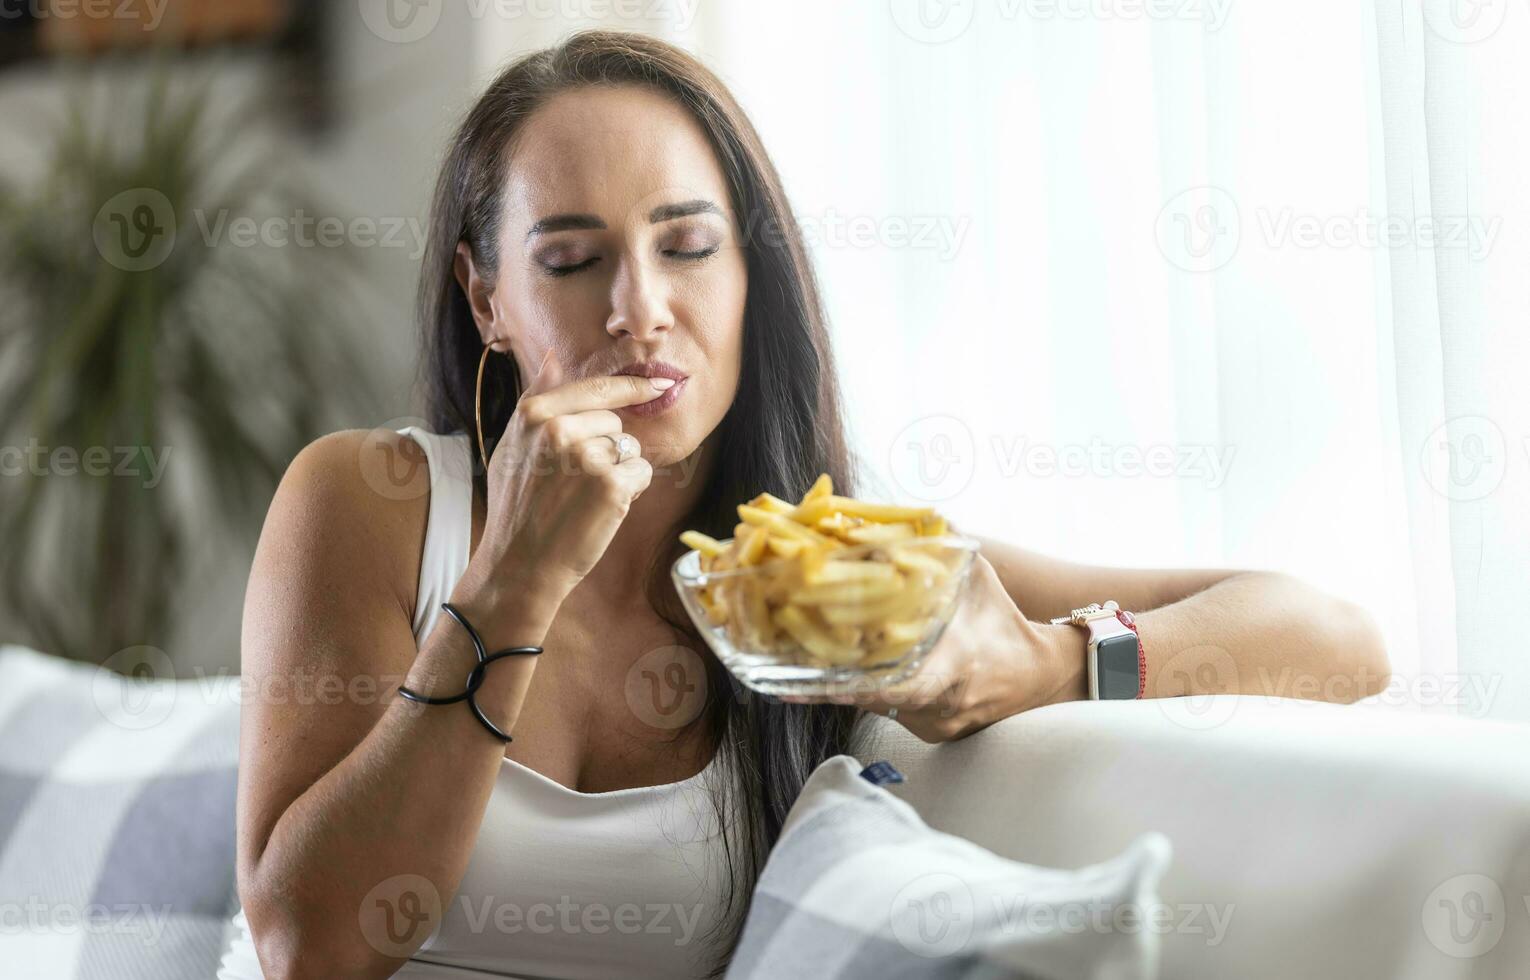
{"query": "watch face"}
{"type": "Point", "coordinates": [1116, 667]}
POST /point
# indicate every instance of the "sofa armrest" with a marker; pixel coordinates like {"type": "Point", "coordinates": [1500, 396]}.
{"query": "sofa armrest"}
{"type": "Point", "coordinates": [1342, 841]}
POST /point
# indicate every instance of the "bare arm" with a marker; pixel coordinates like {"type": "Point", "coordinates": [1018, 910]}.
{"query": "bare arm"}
{"type": "Point", "coordinates": [342, 794]}
{"type": "Point", "coordinates": [1046, 587]}
{"type": "Point", "coordinates": [1206, 631]}
{"type": "Point", "coordinates": [1203, 632]}
{"type": "Point", "coordinates": [358, 808]}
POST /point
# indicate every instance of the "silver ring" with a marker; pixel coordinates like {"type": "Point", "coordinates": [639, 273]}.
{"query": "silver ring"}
{"type": "Point", "coordinates": [623, 444]}
{"type": "Point", "coordinates": [892, 714]}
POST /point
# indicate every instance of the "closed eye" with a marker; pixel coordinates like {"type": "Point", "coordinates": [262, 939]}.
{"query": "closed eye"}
{"type": "Point", "coordinates": [568, 270]}
{"type": "Point", "coordinates": [693, 255]}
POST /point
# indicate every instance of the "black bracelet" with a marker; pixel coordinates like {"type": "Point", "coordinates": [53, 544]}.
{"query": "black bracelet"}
{"type": "Point", "coordinates": [475, 676]}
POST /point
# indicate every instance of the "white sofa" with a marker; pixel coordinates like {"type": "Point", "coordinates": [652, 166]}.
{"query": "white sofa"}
{"type": "Point", "coordinates": [1331, 842]}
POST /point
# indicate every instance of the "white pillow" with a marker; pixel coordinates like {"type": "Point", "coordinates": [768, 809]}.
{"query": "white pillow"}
{"type": "Point", "coordinates": [116, 820]}
{"type": "Point", "coordinates": [859, 886]}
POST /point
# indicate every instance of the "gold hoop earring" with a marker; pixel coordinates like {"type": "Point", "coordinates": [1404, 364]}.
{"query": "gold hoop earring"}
{"type": "Point", "coordinates": [478, 407]}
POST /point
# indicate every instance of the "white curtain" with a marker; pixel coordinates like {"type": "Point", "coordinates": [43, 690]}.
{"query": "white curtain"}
{"type": "Point", "coordinates": [1156, 283]}
{"type": "Point", "coordinates": [1455, 80]}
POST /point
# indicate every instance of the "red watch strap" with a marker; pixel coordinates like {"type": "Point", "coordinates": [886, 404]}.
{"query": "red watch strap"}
{"type": "Point", "coordinates": [1130, 622]}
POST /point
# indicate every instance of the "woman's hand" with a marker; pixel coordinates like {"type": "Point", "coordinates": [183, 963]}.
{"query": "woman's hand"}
{"type": "Point", "coordinates": [557, 491]}
{"type": "Point", "coordinates": [990, 663]}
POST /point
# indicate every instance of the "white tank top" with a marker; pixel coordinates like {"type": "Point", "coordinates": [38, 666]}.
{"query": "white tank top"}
{"type": "Point", "coordinates": [561, 885]}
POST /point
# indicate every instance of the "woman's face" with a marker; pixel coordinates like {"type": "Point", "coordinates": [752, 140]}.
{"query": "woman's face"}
{"type": "Point", "coordinates": [619, 246]}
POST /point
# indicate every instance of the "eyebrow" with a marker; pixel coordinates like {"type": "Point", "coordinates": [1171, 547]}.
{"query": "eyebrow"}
{"type": "Point", "coordinates": [565, 222]}
{"type": "Point", "coordinates": [587, 222]}
{"type": "Point", "coordinates": [669, 212]}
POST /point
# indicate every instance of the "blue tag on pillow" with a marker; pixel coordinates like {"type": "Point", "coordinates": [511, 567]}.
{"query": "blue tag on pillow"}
{"type": "Point", "coordinates": [881, 773]}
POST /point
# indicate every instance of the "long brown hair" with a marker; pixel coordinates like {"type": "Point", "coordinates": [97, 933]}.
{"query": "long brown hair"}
{"type": "Point", "coordinates": [783, 429]}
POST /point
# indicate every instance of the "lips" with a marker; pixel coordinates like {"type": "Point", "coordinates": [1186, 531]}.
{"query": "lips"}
{"type": "Point", "coordinates": [655, 406]}
{"type": "Point", "coordinates": [653, 369]}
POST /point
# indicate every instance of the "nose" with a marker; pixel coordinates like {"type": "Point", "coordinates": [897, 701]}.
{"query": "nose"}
{"type": "Point", "coordinates": [639, 301]}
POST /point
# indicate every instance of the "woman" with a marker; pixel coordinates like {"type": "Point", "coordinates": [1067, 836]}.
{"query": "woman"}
{"type": "Point", "coordinates": [611, 247]}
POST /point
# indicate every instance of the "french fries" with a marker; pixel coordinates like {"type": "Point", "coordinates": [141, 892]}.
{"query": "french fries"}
{"type": "Point", "coordinates": [829, 580]}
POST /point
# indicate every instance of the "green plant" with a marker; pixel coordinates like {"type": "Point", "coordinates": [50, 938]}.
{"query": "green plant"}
{"type": "Point", "coordinates": [197, 368]}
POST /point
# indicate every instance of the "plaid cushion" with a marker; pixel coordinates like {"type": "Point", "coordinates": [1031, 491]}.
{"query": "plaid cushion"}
{"type": "Point", "coordinates": [116, 820]}
{"type": "Point", "coordinates": [858, 886]}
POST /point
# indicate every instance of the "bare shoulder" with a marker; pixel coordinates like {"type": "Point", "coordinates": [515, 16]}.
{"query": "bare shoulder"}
{"type": "Point", "coordinates": [351, 508]}
{"type": "Point", "coordinates": [364, 478]}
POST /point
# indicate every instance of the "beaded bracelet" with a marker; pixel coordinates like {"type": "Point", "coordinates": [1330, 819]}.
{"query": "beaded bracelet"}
{"type": "Point", "coordinates": [475, 676]}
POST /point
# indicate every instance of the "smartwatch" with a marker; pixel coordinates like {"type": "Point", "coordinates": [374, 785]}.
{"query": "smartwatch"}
{"type": "Point", "coordinates": [1117, 663]}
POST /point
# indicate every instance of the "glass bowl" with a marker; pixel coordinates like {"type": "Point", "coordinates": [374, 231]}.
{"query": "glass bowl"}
{"type": "Point", "coordinates": [784, 627]}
